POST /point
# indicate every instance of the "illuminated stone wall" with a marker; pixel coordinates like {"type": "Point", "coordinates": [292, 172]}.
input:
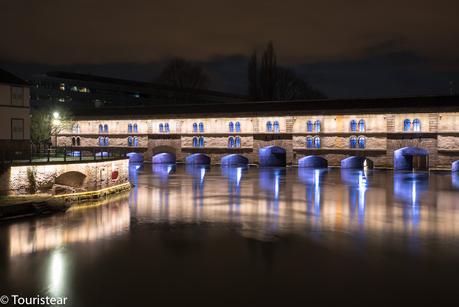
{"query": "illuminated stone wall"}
{"type": "Point", "coordinates": [33, 179]}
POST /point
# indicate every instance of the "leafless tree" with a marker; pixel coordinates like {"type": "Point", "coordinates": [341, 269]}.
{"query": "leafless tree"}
{"type": "Point", "coordinates": [183, 74]}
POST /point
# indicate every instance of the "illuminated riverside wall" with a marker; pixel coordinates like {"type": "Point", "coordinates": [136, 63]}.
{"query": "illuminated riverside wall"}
{"type": "Point", "coordinates": [333, 137]}
{"type": "Point", "coordinates": [63, 178]}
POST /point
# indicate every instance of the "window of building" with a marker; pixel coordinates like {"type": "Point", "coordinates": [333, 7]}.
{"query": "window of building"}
{"type": "Point", "coordinates": [161, 127]}
{"type": "Point", "coordinates": [269, 126]}
{"type": "Point", "coordinates": [76, 128]}
{"type": "Point", "coordinates": [230, 142]}
{"type": "Point", "coordinates": [195, 142]}
{"type": "Point", "coordinates": [135, 128]}
{"type": "Point", "coordinates": [106, 141]}
{"type": "Point", "coordinates": [317, 142]}
{"type": "Point", "coordinates": [317, 126]}
{"type": "Point", "coordinates": [353, 142]}
{"type": "Point", "coordinates": [136, 141]}
{"type": "Point", "coordinates": [195, 127]}
{"type": "Point", "coordinates": [129, 141]}
{"type": "Point", "coordinates": [17, 96]}
{"type": "Point", "coordinates": [101, 141]}
{"type": "Point", "coordinates": [353, 125]}
{"type": "Point", "coordinates": [309, 126]}
{"type": "Point", "coordinates": [406, 125]}
{"type": "Point", "coordinates": [231, 127]}
{"type": "Point", "coordinates": [238, 127]}
{"type": "Point", "coordinates": [361, 125]}
{"type": "Point", "coordinates": [166, 127]}
{"type": "Point", "coordinates": [276, 126]}
{"type": "Point", "coordinates": [416, 125]}
{"type": "Point", "coordinates": [237, 142]}
{"type": "Point", "coordinates": [106, 128]}
{"type": "Point", "coordinates": [309, 142]}
{"type": "Point", "coordinates": [73, 141]}
{"type": "Point", "coordinates": [362, 142]}
{"type": "Point", "coordinates": [78, 141]}
{"type": "Point", "coordinates": [201, 141]}
{"type": "Point", "coordinates": [130, 128]}
{"type": "Point", "coordinates": [201, 127]}
{"type": "Point", "coordinates": [101, 128]}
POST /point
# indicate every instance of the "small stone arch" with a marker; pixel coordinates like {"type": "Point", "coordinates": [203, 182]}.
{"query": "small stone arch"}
{"type": "Point", "coordinates": [272, 156]}
{"type": "Point", "coordinates": [164, 149]}
{"type": "Point", "coordinates": [234, 160]}
{"type": "Point", "coordinates": [356, 162]}
{"type": "Point", "coordinates": [135, 157]}
{"type": "Point", "coordinates": [313, 162]}
{"type": "Point", "coordinates": [163, 158]}
{"type": "Point", "coordinates": [72, 179]}
{"type": "Point", "coordinates": [198, 159]}
{"type": "Point", "coordinates": [411, 158]}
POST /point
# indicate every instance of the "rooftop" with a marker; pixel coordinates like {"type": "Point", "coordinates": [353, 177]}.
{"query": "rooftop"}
{"type": "Point", "coordinates": [9, 78]}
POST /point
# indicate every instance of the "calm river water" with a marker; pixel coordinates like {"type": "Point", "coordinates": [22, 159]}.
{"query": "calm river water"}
{"type": "Point", "coordinates": [246, 236]}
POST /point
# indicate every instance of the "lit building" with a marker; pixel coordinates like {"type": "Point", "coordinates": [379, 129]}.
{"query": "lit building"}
{"type": "Point", "coordinates": [15, 114]}
{"type": "Point", "coordinates": [423, 130]}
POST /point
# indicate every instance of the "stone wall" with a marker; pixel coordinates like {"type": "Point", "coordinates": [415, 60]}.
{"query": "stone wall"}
{"type": "Point", "coordinates": [33, 179]}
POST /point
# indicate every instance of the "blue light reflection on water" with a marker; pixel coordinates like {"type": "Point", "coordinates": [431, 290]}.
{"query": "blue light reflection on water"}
{"type": "Point", "coordinates": [358, 183]}
{"type": "Point", "coordinates": [234, 175]}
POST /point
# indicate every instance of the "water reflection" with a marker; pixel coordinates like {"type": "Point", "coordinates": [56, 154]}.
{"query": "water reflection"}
{"type": "Point", "coordinates": [358, 183]}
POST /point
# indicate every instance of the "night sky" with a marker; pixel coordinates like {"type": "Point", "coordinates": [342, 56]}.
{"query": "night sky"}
{"type": "Point", "coordinates": [344, 48]}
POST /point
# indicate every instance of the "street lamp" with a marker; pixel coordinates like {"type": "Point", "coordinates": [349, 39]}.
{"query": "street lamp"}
{"type": "Point", "coordinates": [56, 123]}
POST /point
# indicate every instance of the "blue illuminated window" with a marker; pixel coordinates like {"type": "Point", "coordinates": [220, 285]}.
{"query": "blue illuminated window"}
{"type": "Point", "coordinates": [101, 129]}
{"type": "Point", "coordinates": [106, 141]}
{"type": "Point", "coordinates": [106, 128]}
{"type": "Point", "coordinates": [161, 127]}
{"type": "Point", "coordinates": [317, 125]}
{"type": "Point", "coordinates": [361, 125]}
{"type": "Point", "coordinates": [309, 126]}
{"type": "Point", "coordinates": [231, 127]}
{"type": "Point", "coordinates": [416, 125]}
{"type": "Point", "coordinates": [309, 142]}
{"type": "Point", "coordinates": [195, 127]}
{"type": "Point", "coordinates": [201, 127]}
{"type": "Point", "coordinates": [201, 141]}
{"type": "Point", "coordinates": [135, 128]}
{"type": "Point", "coordinates": [406, 125]}
{"type": "Point", "coordinates": [276, 126]}
{"type": "Point", "coordinates": [238, 142]}
{"type": "Point", "coordinates": [353, 142]}
{"type": "Point", "coordinates": [195, 142]}
{"type": "Point", "coordinates": [317, 142]}
{"type": "Point", "coordinates": [353, 125]}
{"type": "Point", "coordinates": [136, 141]}
{"type": "Point", "coordinates": [129, 140]}
{"type": "Point", "coordinates": [269, 126]}
{"type": "Point", "coordinates": [238, 127]}
{"type": "Point", "coordinates": [231, 142]}
{"type": "Point", "coordinates": [130, 128]}
{"type": "Point", "coordinates": [361, 142]}
{"type": "Point", "coordinates": [166, 127]}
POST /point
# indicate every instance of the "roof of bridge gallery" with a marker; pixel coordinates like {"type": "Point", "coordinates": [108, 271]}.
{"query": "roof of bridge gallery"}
{"type": "Point", "coordinates": [424, 104]}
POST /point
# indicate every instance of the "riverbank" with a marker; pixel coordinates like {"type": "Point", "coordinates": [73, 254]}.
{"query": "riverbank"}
{"type": "Point", "coordinates": [12, 207]}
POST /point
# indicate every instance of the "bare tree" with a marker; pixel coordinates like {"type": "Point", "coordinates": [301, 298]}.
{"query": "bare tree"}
{"type": "Point", "coordinates": [268, 73]}
{"type": "Point", "coordinates": [291, 87]}
{"type": "Point", "coordinates": [253, 88]}
{"type": "Point", "coordinates": [183, 74]}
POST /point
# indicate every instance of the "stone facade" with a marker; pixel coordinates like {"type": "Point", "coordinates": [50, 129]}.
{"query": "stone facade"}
{"type": "Point", "coordinates": [382, 135]}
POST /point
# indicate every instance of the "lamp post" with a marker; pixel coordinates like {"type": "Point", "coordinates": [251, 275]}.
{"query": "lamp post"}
{"type": "Point", "coordinates": [56, 123]}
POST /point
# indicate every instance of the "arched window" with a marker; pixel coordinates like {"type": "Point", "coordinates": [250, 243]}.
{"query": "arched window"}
{"type": "Point", "coordinates": [416, 125]}
{"type": "Point", "coordinates": [269, 126]}
{"type": "Point", "coordinates": [106, 141]}
{"type": "Point", "coordinates": [361, 125]}
{"type": "Point", "coordinates": [101, 141]}
{"type": "Point", "coordinates": [129, 140]}
{"type": "Point", "coordinates": [106, 128]}
{"type": "Point", "coordinates": [353, 125]}
{"type": "Point", "coordinates": [309, 126]}
{"type": "Point", "coordinates": [73, 142]}
{"type": "Point", "coordinates": [136, 141]}
{"type": "Point", "coordinates": [361, 142]}
{"type": "Point", "coordinates": [201, 141]}
{"type": "Point", "coordinates": [130, 128]}
{"type": "Point", "coordinates": [201, 127]}
{"type": "Point", "coordinates": [135, 128]}
{"type": "Point", "coordinates": [317, 142]}
{"type": "Point", "coordinates": [166, 127]}
{"type": "Point", "coordinates": [317, 126]}
{"type": "Point", "coordinates": [195, 142]}
{"type": "Point", "coordinates": [309, 142]}
{"type": "Point", "coordinates": [276, 126]}
{"type": "Point", "coordinates": [195, 127]}
{"type": "Point", "coordinates": [353, 142]}
{"type": "Point", "coordinates": [78, 141]}
{"type": "Point", "coordinates": [238, 127]}
{"type": "Point", "coordinates": [230, 142]}
{"type": "Point", "coordinates": [101, 128]}
{"type": "Point", "coordinates": [406, 125]}
{"type": "Point", "coordinates": [76, 128]}
{"type": "Point", "coordinates": [231, 127]}
{"type": "Point", "coordinates": [237, 142]}
{"type": "Point", "coordinates": [161, 127]}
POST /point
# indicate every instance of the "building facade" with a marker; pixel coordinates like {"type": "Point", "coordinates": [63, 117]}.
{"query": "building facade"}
{"type": "Point", "coordinates": [332, 129]}
{"type": "Point", "coordinates": [15, 113]}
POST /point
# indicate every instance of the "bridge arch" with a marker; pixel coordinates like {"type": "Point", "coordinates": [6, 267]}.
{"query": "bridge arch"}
{"type": "Point", "coordinates": [163, 149]}
{"type": "Point", "coordinates": [234, 160]}
{"type": "Point", "coordinates": [411, 159]}
{"type": "Point", "coordinates": [135, 157]}
{"type": "Point", "coordinates": [313, 162]}
{"type": "Point", "coordinates": [272, 156]}
{"type": "Point", "coordinates": [73, 179]}
{"type": "Point", "coordinates": [198, 159]}
{"type": "Point", "coordinates": [356, 162]}
{"type": "Point", "coordinates": [164, 158]}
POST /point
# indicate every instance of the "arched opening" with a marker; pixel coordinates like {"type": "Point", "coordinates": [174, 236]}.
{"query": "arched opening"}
{"type": "Point", "coordinates": [313, 162]}
{"type": "Point", "coordinates": [135, 157]}
{"type": "Point", "coordinates": [230, 142]}
{"type": "Point", "coordinates": [234, 160]}
{"type": "Point", "coordinates": [309, 126]}
{"type": "Point", "coordinates": [309, 142]}
{"type": "Point", "coordinates": [353, 142]}
{"type": "Point", "coordinates": [195, 127]}
{"type": "Point", "coordinates": [166, 128]}
{"type": "Point", "coordinates": [72, 179]}
{"type": "Point", "coordinates": [78, 142]}
{"type": "Point", "coordinates": [231, 127]}
{"type": "Point", "coordinates": [198, 159]}
{"type": "Point", "coordinates": [317, 142]}
{"type": "Point", "coordinates": [411, 159]}
{"type": "Point", "coordinates": [195, 142]}
{"type": "Point", "coordinates": [129, 140]}
{"type": "Point", "coordinates": [269, 126]}
{"type": "Point", "coordinates": [129, 128]}
{"type": "Point", "coordinates": [356, 162]}
{"type": "Point", "coordinates": [163, 158]}
{"type": "Point", "coordinates": [237, 142]}
{"type": "Point", "coordinates": [161, 127]}
{"type": "Point", "coordinates": [353, 125]}
{"type": "Point", "coordinates": [135, 128]}
{"type": "Point", "coordinates": [272, 156]}
{"type": "Point", "coordinates": [361, 125]}
{"type": "Point", "coordinates": [406, 125]}
{"type": "Point", "coordinates": [201, 127]}
{"type": "Point", "coordinates": [416, 125]}
{"type": "Point", "coordinates": [73, 141]}
{"type": "Point", "coordinates": [238, 127]}
{"type": "Point", "coordinates": [276, 126]}
{"type": "Point", "coordinates": [317, 126]}
{"type": "Point", "coordinates": [201, 141]}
